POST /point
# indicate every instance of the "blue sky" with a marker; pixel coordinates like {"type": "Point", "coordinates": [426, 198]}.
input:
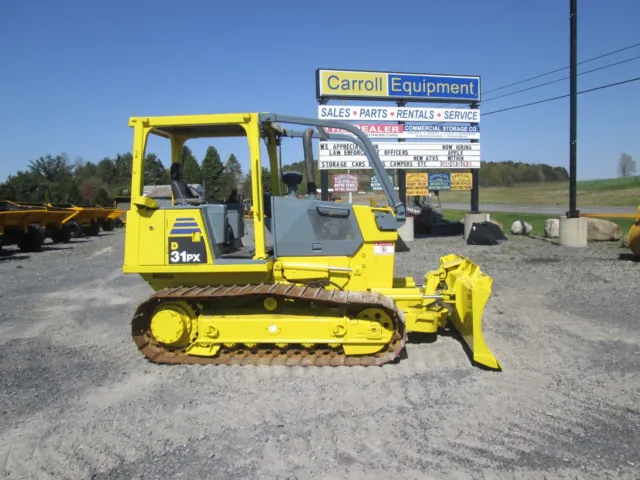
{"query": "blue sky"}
{"type": "Point", "coordinates": [73, 72]}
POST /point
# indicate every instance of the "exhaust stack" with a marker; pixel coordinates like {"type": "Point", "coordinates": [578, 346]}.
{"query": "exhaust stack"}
{"type": "Point", "coordinates": [308, 161]}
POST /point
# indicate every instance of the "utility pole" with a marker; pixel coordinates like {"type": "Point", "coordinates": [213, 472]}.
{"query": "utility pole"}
{"type": "Point", "coordinates": [573, 227]}
{"type": "Point", "coordinates": [573, 109]}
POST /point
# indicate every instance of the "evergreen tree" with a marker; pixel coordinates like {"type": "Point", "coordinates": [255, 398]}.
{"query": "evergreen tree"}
{"type": "Point", "coordinates": [247, 188]}
{"type": "Point", "coordinates": [191, 172]}
{"type": "Point", "coordinates": [231, 176]}
{"type": "Point", "coordinates": [154, 171]}
{"type": "Point", "coordinates": [235, 169]}
{"type": "Point", "coordinates": [212, 169]}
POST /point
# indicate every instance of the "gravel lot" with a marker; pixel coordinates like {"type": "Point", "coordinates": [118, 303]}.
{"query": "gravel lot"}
{"type": "Point", "coordinates": [78, 401]}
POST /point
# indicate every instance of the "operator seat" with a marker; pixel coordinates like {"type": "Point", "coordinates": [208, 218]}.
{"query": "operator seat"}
{"type": "Point", "coordinates": [182, 193]}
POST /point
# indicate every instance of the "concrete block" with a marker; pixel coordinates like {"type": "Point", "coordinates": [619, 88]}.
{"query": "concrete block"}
{"type": "Point", "coordinates": [573, 231]}
{"type": "Point", "coordinates": [406, 231]}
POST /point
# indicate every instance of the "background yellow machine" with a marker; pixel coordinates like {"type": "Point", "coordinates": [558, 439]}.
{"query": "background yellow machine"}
{"type": "Point", "coordinates": [634, 237]}
{"type": "Point", "coordinates": [323, 293]}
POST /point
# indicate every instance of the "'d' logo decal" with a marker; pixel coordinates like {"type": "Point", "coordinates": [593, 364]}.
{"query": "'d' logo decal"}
{"type": "Point", "coordinates": [185, 226]}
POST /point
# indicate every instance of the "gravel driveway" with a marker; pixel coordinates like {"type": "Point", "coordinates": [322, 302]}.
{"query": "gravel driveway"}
{"type": "Point", "coordinates": [78, 401]}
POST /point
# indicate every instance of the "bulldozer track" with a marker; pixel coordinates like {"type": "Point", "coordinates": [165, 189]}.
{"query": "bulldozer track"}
{"type": "Point", "coordinates": [293, 355]}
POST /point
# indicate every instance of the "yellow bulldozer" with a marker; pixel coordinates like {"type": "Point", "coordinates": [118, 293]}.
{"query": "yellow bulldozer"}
{"type": "Point", "coordinates": [323, 294]}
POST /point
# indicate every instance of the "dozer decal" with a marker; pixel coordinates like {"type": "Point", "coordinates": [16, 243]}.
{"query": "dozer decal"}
{"type": "Point", "coordinates": [185, 226]}
{"type": "Point", "coordinates": [185, 250]}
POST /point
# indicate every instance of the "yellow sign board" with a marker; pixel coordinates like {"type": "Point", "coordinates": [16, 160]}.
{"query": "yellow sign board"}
{"type": "Point", "coordinates": [461, 181]}
{"type": "Point", "coordinates": [353, 84]}
{"type": "Point", "coordinates": [417, 87]}
{"type": "Point", "coordinates": [417, 184]}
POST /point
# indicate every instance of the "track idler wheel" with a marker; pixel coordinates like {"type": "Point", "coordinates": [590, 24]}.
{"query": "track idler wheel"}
{"type": "Point", "coordinates": [174, 325]}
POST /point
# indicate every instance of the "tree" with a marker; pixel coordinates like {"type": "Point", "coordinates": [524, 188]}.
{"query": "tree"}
{"type": "Point", "coordinates": [52, 169]}
{"type": "Point", "coordinates": [231, 176]}
{"type": "Point", "coordinates": [89, 190]}
{"type": "Point", "coordinates": [626, 165]}
{"type": "Point", "coordinates": [123, 167]}
{"type": "Point", "coordinates": [24, 185]}
{"type": "Point", "coordinates": [301, 167]}
{"type": "Point", "coordinates": [154, 171]}
{"type": "Point", "coordinates": [234, 168]}
{"type": "Point", "coordinates": [212, 169]}
{"type": "Point", "coordinates": [106, 170]}
{"type": "Point", "coordinates": [191, 172]}
{"type": "Point", "coordinates": [55, 176]}
{"type": "Point", "coordinates": [85, 170]}
{"type": "Point", "coordinates": [247, 189]}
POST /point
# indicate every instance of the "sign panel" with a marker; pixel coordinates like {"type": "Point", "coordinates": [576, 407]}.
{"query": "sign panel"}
{"type": "Point", "coordinates": [439, 181]}
{"type": "Point", "coordinates": [417, 184]}
{"type": "Point", "coordinates": [384, 248]}
{"type": "Point", "coordinates": [417, 87]}
{"type": "Point", "coordinates": [345, 182]}
{"type": "Point", "coordinates": [389, 130]}
{"type": "Point", "coordinates": [377, 186]}
{"type": "Point", "coordinates": [461, 181]}
{"type": "Point", "coordinates": [399, 114]}
{"type": "Point", "coordinates": [345, 155]}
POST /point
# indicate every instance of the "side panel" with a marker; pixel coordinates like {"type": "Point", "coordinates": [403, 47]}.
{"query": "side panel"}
{"type": "Point", "coordinates": [379, 245]}
{"type": "Point", "coordinates": [151, 237]}
{"type": "Point", "coordinates": [314, 228]}
{"type": "Point", "coordinates": [186, 238]}
{"type": "Point", "coordinates": [367, 267]}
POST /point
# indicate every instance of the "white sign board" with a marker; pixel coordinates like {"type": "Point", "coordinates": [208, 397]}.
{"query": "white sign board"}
{"type": "Point", "coordinates": [345, 182]}
{"type": "Point", "coordinates": [390, 130]}
{"type": "Point", "coordinates": [345, 155]}
{"type": "Point", "coordinates": [399, 114]}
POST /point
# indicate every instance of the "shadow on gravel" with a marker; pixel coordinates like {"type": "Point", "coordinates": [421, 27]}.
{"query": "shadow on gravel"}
{"type": "Point", "coordinates": [551, 241]}
{"type": "Point", "coordinates": [426, 338]}
{"type": "Point", "coordinates": [418, 338]}
{"type": "Point", "coordinates": [52, 248]}
{"type": "Point", "coordinates": [433, 235]}
{"type": "Point", "coordinates": [6, 255]}
{"type": "Point", "coordinates": [628, 257]}
{"type": "Point", "coordinates": [541, 260]}
{"type": "Point", "coordinates": [401, 246]}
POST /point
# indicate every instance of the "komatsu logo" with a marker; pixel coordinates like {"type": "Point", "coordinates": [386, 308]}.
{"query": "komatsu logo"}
{"type": "Point", "coordinates": [185, 226]}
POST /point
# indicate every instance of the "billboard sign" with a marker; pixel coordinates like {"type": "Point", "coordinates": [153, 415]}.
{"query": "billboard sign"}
{"type": "Point", "coordinates": [433, 131]}
{"type": "Point", "coordinates": [345, 182]}
{"type": "Point", "coordinates": [461, 181]}
{"type": "Point", "coordinates": [439, 181]}
{"type": "Point", "coordinates": [377, 186]}
{"type": "Point", "coordinates": [417, 184]}
{"type": "Point", "coordinates": [345, 155]}
{"type": "Point", "coordinates": [415, 87]}
{"type": "Point", "coordinates": [399, 114]}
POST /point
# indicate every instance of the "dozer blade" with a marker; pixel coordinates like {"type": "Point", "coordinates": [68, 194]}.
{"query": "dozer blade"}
{"type": "Point", "coordinates": [469, 290]}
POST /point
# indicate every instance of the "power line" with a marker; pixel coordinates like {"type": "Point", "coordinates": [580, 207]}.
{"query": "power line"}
{"type": "Point", "coordinates": [507, 14]}
{"type": "Point", "coordinates": [563, 68]}
{"type": "Point", "coordinates": [554, 71]}
{"type": "Point", "coordinates": [561, 79]}
{"type": "Point", "coordinates": [563, 96]}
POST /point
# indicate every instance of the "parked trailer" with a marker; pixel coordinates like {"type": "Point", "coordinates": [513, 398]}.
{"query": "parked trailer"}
{"type": "Point", "coordinates": [22, 225]}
